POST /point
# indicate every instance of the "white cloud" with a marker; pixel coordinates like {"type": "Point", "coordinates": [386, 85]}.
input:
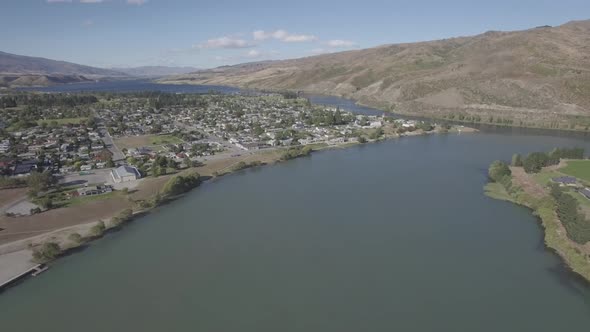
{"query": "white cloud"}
{"type": "Point", "coordinates": [224, 42]}
{"type": "Point", "coordinates": [137, 2]}
{"type": "Point", "coordinates": [253, 54]}
{"type": "Point", "coordinates": [91, 1]}
{"type": "Point", "coordinates": [248, 56]}
{"type": "Point", "coordinates": [88, 23]}
{"type": "Point", "coordinates": [339, 43]}
{"type": "Point", "coordinates": [317, 51]}
{"type": "Point", "coordinates": [57, 1]}
{"type": "Point", "coordinates": [283, 36]}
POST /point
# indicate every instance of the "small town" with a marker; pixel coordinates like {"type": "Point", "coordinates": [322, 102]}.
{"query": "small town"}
{"type": "Point", "coordinates": [92, 146]}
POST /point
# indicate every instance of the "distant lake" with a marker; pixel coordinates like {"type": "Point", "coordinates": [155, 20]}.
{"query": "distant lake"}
{"type": "Point", "coordinates": [392, 236]}
{"type": "Point", "coordinates": [134, 86]}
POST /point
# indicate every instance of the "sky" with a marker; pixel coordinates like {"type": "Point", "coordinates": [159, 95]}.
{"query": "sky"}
{"type": "Point", "coordinates": [205, 34]}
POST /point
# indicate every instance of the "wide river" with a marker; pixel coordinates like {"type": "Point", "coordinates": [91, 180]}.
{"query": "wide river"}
{"type": "Point", "coordinates": [393, 236]}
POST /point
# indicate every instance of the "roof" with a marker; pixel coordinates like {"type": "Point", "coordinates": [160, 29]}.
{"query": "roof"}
{"type": "Point", "coordinates": [122, 171]}
{"type": "Point", "coordinates": [565, 180]}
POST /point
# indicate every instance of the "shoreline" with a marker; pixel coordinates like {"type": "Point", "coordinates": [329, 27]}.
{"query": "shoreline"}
{"type": "Point", "coordinates": [262, 158]}
{"type": "Point", "coordinates": [555, 238]}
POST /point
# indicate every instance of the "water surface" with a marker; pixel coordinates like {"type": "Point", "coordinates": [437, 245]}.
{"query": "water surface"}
{"type": "Point", "coordinates": [393, 236]}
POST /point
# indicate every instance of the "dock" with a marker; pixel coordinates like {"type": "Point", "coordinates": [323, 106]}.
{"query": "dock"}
{"type": "Point", "coordinates": [16, 266]}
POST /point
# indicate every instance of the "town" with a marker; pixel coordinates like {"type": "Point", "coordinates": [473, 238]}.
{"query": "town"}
{"type": "Point", "coordinates": [96, 144]}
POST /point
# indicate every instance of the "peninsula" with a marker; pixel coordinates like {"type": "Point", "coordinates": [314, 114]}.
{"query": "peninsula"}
{"type": "Point", "coordinates": [555, 186]}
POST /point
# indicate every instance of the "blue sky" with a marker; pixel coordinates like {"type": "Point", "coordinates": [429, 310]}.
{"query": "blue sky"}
{"type": "Point", "coordinates": [205, 34]}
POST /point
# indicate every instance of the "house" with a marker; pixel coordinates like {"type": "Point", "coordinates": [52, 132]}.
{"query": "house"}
{"type": "Point", "coordinates": [585, 192]}
{"type": "Point", "coordinates": [125, 174]}
{"type": "Point", "coordinates": [25, 167]}
{"type": "Point", "coordinates": [569, 181]}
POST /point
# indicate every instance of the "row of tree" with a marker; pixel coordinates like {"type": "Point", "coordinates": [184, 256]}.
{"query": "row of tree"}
{"type": "Point", "coordinates": [574, 221]}
{"type": "Point", "coordinates": [47, 99]}
{"type": "Point", "coordinates": [296, 152]}
{"type": "Point", "coordinates": [534, 162]}
{"type": "Point", "coordinates": [181, 184]}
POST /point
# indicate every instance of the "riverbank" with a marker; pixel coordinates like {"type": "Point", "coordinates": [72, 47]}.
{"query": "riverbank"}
{"type": "Point", "coordinates": [141, 201]}
{"type": "Point", "coordinates": [531, 191]}
{"type": "Point", "coordinates": [502, 118]}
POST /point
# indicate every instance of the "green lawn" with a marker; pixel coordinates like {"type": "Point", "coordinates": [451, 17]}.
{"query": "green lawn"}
{"type": "Point", "coordinates": [85, 199]}
{"type": "Point", "coordinates": [578, 168]}
{"type": "Point", "coordinates": [63, 121]}
{"type": "Point", "coordinates": [164, 139]}
{"type": "Point", "coordinates": [497, 191]}
{"type": "Point", "coordinates": [543, 178]}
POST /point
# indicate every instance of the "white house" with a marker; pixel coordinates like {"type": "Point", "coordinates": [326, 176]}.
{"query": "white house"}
{"type": "Point", "coordinates": [125, 174]}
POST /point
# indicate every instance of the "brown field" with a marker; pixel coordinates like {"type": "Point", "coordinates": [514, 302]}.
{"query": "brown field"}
{"type": "Point", "coordinates": [527, 182]}
{"type": "Point", "coordinates": [24, 227]}
{"type": "Point", "coordinates": [8, 196]}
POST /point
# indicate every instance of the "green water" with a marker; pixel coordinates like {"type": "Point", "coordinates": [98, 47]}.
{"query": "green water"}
{"type": "Point", "coordinates": [394, 236]}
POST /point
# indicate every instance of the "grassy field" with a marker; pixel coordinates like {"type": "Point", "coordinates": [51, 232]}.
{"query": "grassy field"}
{"type": "Point", "coordinates": [578, 168]}
{"type": "Point", "coordinates": [63, 121]}
{"type": "Point", "coordinates": [129, 142]}
{"type": "Point", "coordinates": [85, 199]}
{"type": "Point", "coordinates": [497, 191]}
{"type": "Point", "coordinates": [544, 177]}
{"type": "Point", "coordinates": [164, 139]}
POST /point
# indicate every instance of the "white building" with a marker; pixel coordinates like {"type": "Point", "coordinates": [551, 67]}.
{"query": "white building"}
{"type": "Point", "coordinates": [125, 174]}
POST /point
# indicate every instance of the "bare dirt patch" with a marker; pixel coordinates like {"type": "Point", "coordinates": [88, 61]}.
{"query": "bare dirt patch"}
{"type": "Point", "coordinates": [527, 183]}
{"type": "Point", "coordinates": [8, 196]}
{"type": "Point", "coordinates": [24, 227]}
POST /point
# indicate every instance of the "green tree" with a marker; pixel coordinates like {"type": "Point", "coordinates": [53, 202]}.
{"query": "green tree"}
{"type": "Point", "coordinates": [110, 163]}
{"type": "Point", "coordinates": [46, 252]}
{"type": "Point", "coordinates": [534, 162]}
{"type": "Point", "coordinates": [517, 160]}
{"type": "Point", "coordinates": [41, 181]}
{"type": "Point", "coordinates": [498, 170]}
{"type": "Point", "coordinates": [45, 203]}
{"type": "Point", "coordinates": [180, 184]}
{"type": "Point", "coordinates": [75, 238]}
{"type": "Point", "coordinates": [98, 229]}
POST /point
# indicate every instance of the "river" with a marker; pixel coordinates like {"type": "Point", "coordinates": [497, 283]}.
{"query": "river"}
{"type": "Point", "coordinates": [392, 236]}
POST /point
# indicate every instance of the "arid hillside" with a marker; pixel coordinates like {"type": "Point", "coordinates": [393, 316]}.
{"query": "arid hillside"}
{"type": "Point", "coordinates": [539, 76]}
{"type": "Point", "coordinates": [20, 70]}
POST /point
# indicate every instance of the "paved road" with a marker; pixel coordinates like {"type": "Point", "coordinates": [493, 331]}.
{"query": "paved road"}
{"type": "Point", "coordinates": [14, 264]}
{"type": "Point", "coordinates": [108, 140]}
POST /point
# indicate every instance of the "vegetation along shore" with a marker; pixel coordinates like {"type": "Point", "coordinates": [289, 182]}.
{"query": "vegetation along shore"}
{"type": "Point", "coordinates": [555, 186]}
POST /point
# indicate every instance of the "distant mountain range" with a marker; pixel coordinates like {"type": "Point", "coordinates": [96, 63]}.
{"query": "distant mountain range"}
{"type": "Point", "coordinates": [20, 70]}
{"type": "Point", "coordinates": [540, 74]}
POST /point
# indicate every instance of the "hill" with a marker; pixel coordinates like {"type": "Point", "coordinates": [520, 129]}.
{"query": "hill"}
{"type": "Point", "coordinates": [20, 70]}
{"type": "Point", "coordinates": [508, 77]}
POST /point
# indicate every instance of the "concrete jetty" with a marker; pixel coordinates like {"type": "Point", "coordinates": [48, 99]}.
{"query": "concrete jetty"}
{"type": "Point", "coordinates": [16, 265]}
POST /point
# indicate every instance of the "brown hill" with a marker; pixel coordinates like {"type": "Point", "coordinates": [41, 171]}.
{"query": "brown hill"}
{"type": "Point", "coordinates": [541, 74]}
{"type": "Point", "coordinates": [20, 70]}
